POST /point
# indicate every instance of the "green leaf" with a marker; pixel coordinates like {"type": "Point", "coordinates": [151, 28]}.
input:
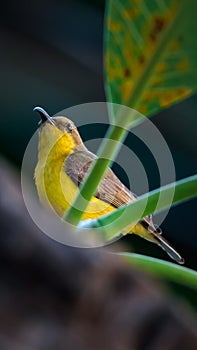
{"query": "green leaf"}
{"type": "Point", "coordinates": [165, 270]}
{"type": "Point", "coordinates": [112, 224]}
{"type": "Point", "coordinates": [150, 52]}
{"type": "Point", "coordinates": [180, 280]}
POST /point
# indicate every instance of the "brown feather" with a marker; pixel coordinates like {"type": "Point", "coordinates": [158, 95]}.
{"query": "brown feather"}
{"type": "Point", "coordinates": [110, 190]}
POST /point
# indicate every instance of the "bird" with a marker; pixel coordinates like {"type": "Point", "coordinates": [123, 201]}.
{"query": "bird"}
{"type": "Point", "coordinates": [64, 162]}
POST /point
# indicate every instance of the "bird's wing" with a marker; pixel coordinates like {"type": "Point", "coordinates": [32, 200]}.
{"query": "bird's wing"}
{"type": "Point", "coordinates": [111, 190]}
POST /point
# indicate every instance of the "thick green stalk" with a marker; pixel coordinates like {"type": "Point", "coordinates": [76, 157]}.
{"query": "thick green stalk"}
{"type": "Point", "coordinates": [96, 173]}
{"type": "Point", "coordinates": [112, 224]}
{"type": "Point", "coordinates": [163, 269]}
{"type": "Point", "coordinates": [106, 155]}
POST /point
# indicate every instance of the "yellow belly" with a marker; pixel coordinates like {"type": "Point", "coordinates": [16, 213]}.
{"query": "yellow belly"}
{"type": "Point", "coordinates": [55, 188]}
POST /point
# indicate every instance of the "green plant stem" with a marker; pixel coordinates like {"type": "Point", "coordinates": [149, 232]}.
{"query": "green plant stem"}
{"type": "Point", "coordinates": [107, 152]}
{"type": "Point", "coordinates": [112, 224]}
{"type": "Point", "coordinates": [164, 269]}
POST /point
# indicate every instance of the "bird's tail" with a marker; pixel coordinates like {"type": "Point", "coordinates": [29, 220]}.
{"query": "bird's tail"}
{"type": "Point", "coordinates": [156, 234]}
{"type": "Point", "coordinates": [169, 249]}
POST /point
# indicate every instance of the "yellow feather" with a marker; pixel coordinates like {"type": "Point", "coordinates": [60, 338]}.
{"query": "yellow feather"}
{"type": "Point", "coordinates": [58, 139]}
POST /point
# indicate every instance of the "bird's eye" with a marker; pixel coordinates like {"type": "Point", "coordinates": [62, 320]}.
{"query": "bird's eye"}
{"type": "Point", "coordinates": [69, 127]}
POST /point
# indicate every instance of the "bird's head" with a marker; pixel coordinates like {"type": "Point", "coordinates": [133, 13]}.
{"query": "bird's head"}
{"type": "Point", "coordinates": [58, 133]}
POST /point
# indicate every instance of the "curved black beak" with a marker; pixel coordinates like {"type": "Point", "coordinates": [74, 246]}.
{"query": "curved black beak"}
{"type": "Point", "coordinates": [44, 115]}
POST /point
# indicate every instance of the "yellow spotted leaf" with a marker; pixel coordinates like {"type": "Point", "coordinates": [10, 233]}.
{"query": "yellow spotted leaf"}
{"type": "Point", "coordinates": [150, 52]}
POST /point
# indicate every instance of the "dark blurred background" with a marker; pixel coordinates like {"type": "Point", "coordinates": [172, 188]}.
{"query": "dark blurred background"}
{"type": "Point", "coordinates": [51, 55]}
